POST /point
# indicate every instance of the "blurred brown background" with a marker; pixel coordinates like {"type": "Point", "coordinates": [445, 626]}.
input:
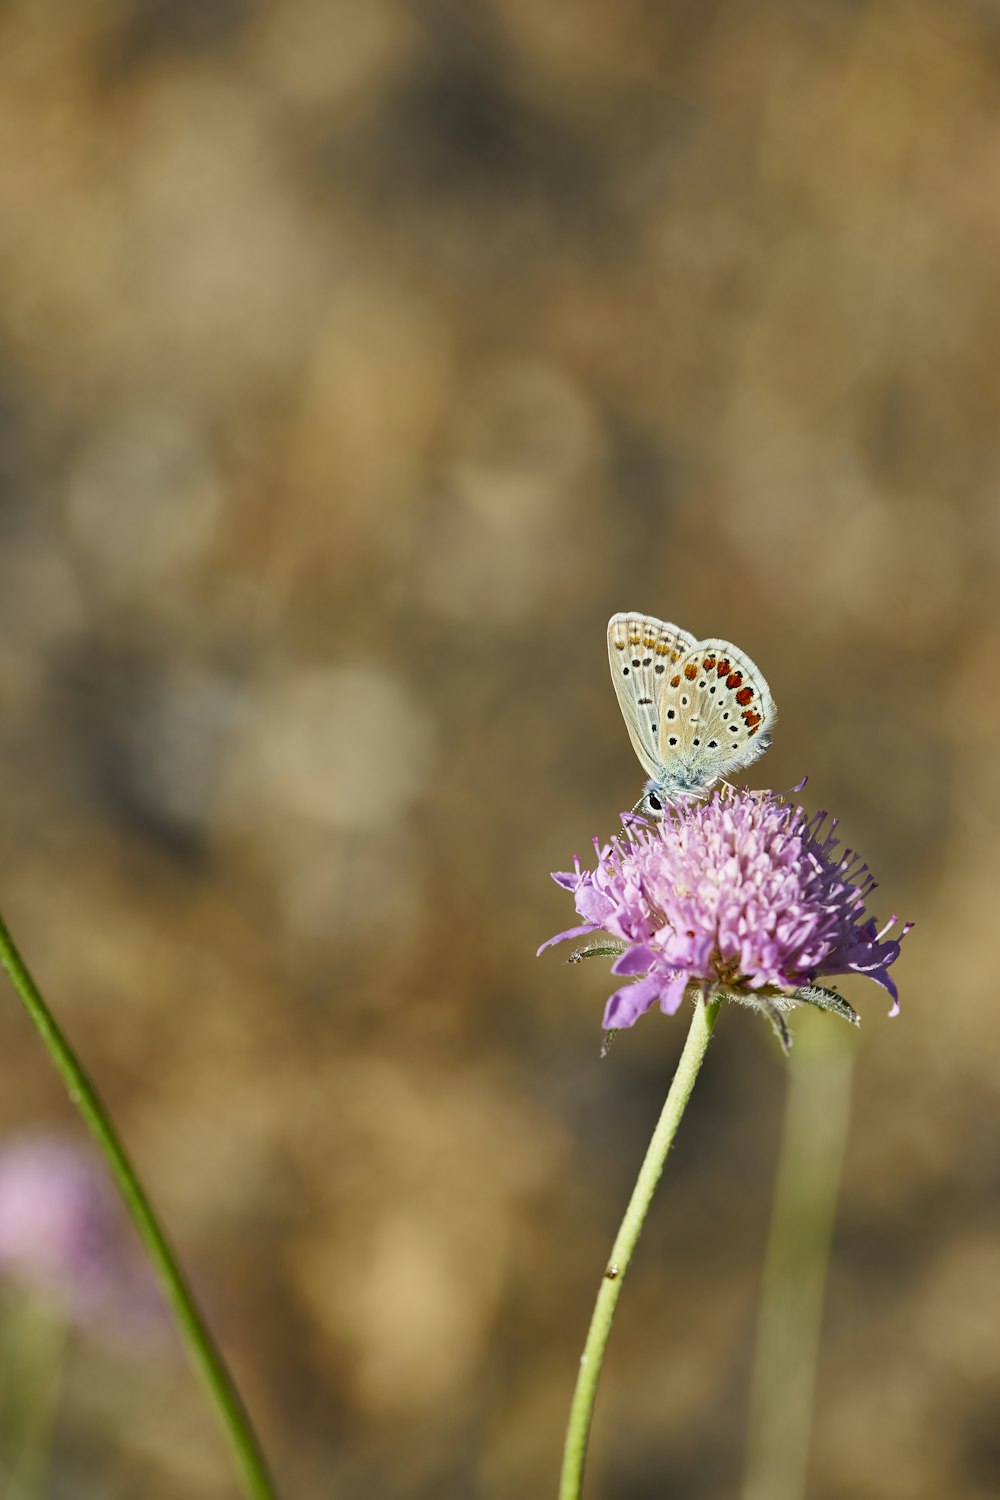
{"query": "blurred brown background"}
{"type": "Point", "coordinates": [356, 362]}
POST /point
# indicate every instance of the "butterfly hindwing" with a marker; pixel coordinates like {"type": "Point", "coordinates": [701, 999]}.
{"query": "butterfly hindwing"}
{"type": "Point", "coordinates": [716, 711]}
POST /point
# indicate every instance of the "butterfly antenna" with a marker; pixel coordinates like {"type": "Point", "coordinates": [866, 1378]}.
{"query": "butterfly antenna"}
{"type": "Point", "coordinates": [632, 813]}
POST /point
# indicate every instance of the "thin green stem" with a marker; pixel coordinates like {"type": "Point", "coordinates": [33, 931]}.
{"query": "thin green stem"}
{"type": "Point", "coordinates": [193, 1328]}
{"type": "Point", "coordinates": [814, 1136]}
{"type": "Point", "coordinates": [582, 1408]}
{"type": "Point", "coordinates": [32, 1343]}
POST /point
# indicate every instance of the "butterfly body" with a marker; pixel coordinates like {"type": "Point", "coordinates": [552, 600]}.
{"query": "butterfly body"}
{"type": "Point", "coordinates": [696, 711]}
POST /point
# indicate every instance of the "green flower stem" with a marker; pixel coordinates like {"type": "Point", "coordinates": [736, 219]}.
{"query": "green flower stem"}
{"type": "Point", "coordinates": [194, 1330]}
{"type": "Point", "coordinates": [32, 1341]}
{"type": "Point", "coordinates": [814, 1136]}
{"type": "Point", "coordinates": [582, 1408]}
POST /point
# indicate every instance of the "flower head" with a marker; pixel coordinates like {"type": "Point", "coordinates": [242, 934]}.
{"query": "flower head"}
{"type": "Point", "coordinates": [62, 1232]}
{"type": "Point", "coordinates": [743, 895]}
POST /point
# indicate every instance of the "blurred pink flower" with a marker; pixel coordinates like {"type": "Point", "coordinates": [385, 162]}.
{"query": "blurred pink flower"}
{"type": "Point", "coordinates": [63, 1233]}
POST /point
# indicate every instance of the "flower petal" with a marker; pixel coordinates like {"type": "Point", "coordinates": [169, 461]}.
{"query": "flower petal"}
{"type": "Point", "coordinates": [595, 906]}
{"type": "Point", "coordinates": [571, 932]}
{"type": "Point", "coordinates": [632, 1001]}
{"type": "Point", "coordinates": [671, 997]}
{"type": "Point", "coordinates": [881, 977]}
{"type": "Point", "coordinates": [636, 960]}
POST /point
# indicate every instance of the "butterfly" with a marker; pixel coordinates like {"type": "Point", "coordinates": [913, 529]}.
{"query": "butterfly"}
{"type": "Point", "coordinates": [695, 710]}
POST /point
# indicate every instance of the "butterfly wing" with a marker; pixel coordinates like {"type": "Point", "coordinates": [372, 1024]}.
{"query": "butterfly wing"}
{"type": "Point", "coordinates": [640, 650]}
{"type": "Point", "coordinates": [715, 711]}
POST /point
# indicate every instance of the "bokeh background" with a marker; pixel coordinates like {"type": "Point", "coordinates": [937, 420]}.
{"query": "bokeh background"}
{"type": "Point", "coordinates": [356, 362]}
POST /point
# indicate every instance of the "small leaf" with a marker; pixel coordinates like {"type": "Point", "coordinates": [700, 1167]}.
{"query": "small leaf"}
{"type": "Point", "coordinates": [778, 1022]}
{"type": "Point", "coordinates": [612, 949]}
{"type": "Point", "coordinates": [823, 999]}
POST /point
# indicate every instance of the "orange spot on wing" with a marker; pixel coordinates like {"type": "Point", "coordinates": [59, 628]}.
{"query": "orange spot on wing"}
{"type": "Point", "coordinates": [662, 649]}
{"type": "Point", "coordinates": [751, 717]}
{"type": "Point", "coordinates": [723, 666]}
{"type": "Point", "coordinates": [690, 671]}
{"type": "Point", "coordinates": [743, 696]}
{"type": "Point", "coordinates": [734, 679]}
{"type": "Point", "coordinates": [675, 681]}
{"type": "Point", "coordinates": [709, 663]}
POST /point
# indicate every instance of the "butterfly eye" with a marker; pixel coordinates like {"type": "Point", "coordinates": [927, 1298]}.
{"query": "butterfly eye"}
{"type": "Point", "coordinates": [654, 802]}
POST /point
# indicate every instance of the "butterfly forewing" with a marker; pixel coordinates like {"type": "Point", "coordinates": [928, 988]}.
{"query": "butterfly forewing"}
{"type": "Point", "coordinates": [715, 710]}
{"type": "Point", "coordinates": [644, 654]}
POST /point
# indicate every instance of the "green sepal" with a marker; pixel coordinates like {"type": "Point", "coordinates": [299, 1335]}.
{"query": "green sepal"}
{"type": "Point", "coordinates": [823, 999]}
{"type": "Point", "coordinates": [612, 949]}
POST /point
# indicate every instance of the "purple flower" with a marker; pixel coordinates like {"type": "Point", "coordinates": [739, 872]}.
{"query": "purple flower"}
{"type": "Point", "coordinates": [62, 1232]}
{"type": "Point", "coordinates": [744, 896]}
